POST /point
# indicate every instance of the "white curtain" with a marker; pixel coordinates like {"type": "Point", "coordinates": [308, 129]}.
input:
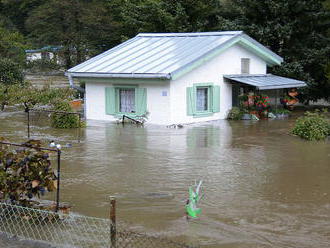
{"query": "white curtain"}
{"type": "Point", "coordinates": [201, 99]}
{"type": "Point", "coordinates": [127, 100]}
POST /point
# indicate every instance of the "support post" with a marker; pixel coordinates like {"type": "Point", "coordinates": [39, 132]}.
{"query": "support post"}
{"type": "Point", "coordinates": [28, 123]}
{"type": "Point", "coordinates": [79, 128]}
{"type": "Point", "coordinates": [113, 231]}
{"type": "Point", "coordinates": [58, 180]}
{"type": "Point", "coordinates": [276, 100]}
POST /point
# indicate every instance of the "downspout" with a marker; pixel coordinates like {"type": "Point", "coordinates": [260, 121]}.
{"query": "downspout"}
{"type": "Point", "coordinates": [82, 90]}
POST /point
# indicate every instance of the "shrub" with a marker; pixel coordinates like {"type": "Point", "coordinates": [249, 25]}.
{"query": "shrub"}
{"type": "Point", "coordinates": [312, 126]}
{"type": "Point", "coordinates": [25, 173]}
{"type": "Point", "coordinates": [10, 72]}
{"type": "Point", "coordinates": [43, 65]}
{"type": "Point", "coordinates": [235, 114]}
{"type": "Point", "coordinates": [60, 120]}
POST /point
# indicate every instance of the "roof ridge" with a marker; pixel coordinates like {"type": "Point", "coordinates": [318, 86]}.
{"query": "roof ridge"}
{"type": "Point", "coordinates": [189, 34]}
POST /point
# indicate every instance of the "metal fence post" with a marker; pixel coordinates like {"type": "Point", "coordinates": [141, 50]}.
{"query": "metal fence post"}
{"type": "Point", "coordinates": [28, 123]}
{"type": "Point", "coordinates": [58, 180]}
{"type": "Point", "coordinates": [113, 230]}
{"type": "Point", "coordinates": [79, 127]}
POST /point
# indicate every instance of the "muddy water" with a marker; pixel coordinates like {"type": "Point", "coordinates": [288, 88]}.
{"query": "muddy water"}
{"type": "Point", "coordinates": [262, 187]}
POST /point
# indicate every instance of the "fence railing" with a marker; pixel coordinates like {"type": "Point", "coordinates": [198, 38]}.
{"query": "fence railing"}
{"type": "Point", "coordinates": [48, 112]}
{"type": "Point", "coordinates": [70, 230]}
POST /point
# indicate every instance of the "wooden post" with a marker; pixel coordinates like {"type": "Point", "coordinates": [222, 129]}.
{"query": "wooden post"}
{"type": "Point", "coordinates": [113, 230]}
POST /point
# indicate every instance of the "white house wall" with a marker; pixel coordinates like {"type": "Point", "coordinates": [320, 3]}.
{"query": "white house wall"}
{"type": "Point", "coordinates": [228, 62]}
{"type": "Point", "coordinates": [157, 99]}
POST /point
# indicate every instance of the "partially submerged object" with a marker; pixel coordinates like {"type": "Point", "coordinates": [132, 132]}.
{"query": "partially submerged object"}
{"type": "Point", "coordinates": [194, 196]}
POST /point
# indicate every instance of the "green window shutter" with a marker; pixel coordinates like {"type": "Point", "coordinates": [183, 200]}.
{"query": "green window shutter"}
{"type": "Point", "coordinates": [216, 99]}
{"type": "Point", "coordinates": [191, 100]}
{"type": "Point", "coordinates": [110, 100]}
{"type": "Point", "coordinates": [141, 101]}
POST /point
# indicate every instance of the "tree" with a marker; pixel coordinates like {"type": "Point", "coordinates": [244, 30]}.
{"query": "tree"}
{"type": "Point", "coordinates": [163, 16]}
{"type": "Point", "coordinates": [12, 45]}
{"type": "Point", "coordinates": [78, 25]}
{"type": "Point", "coordinates": [296, 30]}
{"type": "Point", "coordinates": [16, 12]}
{"type": "Point", "coordinates": [10, 72]}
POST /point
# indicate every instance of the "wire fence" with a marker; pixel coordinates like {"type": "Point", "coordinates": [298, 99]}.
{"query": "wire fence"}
{"type": "Point", "coordinates": [69, 230]}
{"type": "Point", "coordinates": [39, 123]}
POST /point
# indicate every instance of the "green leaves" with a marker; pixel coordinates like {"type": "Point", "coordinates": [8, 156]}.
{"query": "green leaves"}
{"type": "Point", "coordinates": [29, 96]}
{"type": "Point", "coordinates": [25, 172]}
{"type": "Point", "coordinates": [312, 126]}
{"type": "Point", "coordinates": [60, 120]}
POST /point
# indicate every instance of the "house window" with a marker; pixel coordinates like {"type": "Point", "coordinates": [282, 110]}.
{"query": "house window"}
{"type": "Point", "coordinates": [203, 99]}
{"type": "Point", "coordinates": [126, 100]}
{"type": "Point", "coordinates": [245, 65]}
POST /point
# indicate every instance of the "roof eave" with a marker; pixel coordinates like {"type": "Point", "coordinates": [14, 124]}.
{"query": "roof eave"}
{"type": "Point", "coordinates": [118, 75]}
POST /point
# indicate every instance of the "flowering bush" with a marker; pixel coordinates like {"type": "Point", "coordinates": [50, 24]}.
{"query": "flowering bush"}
{"type": "Point", "coordinates": [261, 101]}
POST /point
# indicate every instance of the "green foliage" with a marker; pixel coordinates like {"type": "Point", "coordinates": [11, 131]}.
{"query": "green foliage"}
{"type": "Point", "coordinates": [10, 72]}
{"type": "Point", "coordinates": [24, 173]}
{"type": "Point", "coordinates": [12, 45]}
{"type": "Point", "coordinates": [29, 96]}
{"type": "Point", "coordinates": [42, 65]}
{"type": "Point", "coordinates": [81, 27]}
{"type": "Point", "coordinates": [60, 120]}
{"type": "Point", "coordinates": [281, 111]}
{"type": "Point", "coordinates": [296, 30]}
{"type": "Point", "coordinates": [312, 126]}
{"type": "Point", "coordinates": [235, 114]}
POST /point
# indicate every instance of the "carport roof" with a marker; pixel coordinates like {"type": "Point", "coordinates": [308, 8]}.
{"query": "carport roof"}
{"type": "Point", "coordinates": [266, 81]}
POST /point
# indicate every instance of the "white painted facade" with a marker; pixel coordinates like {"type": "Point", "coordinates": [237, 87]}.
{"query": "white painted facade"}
{"type": "Point", "coordinates": [166, 99]}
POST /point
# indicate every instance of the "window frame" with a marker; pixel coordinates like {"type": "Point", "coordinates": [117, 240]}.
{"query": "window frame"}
{"type": "Point", "coordinates": [117, 96]}
{"type": "Point", "coordinates": [245, 64]}
{"type": "Point", "coordinates": [209, 111]}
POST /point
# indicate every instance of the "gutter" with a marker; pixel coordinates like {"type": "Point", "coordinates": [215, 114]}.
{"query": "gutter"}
{"type": "Point", "coordinates": [117, 75]}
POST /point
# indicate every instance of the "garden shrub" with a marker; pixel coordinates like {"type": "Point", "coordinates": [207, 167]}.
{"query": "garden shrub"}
{"type": "Point", "coordinates": [25, 173]}
{"type": "Point", "coordinates": [60, 120]}
{"type": "Point", "coordinates": [10, 72]}
{"type": "Point", "coordinates": [42, 65]}
{"type": "Point", "coordinates": [312, 126]}
{"type": "Point", "coordinates": [235, 114]}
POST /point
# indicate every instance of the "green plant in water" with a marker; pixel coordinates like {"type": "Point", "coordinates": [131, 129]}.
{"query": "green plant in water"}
{"type": "Point", "coordinates": [281, 111]}
{"type": "Point", "coordinates": [64, 120]}
{"type": "Point", "coordinates": [312, 126]}
{"type": "Point", "coordinates": [235, 114]}
{"type": "Point", "coordinates": [25, 173]}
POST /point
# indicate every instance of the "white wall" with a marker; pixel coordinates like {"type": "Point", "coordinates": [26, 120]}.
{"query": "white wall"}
{"type": "Point", "coordinates": [172, 109]}
{"type": "Point", "coordinates": [157, 104]}
{"type": "Point", "coordinates": [228, 62]}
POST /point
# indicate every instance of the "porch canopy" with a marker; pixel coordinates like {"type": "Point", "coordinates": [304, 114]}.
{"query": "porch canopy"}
{"type": "Point", "coordinates": [265, 81]}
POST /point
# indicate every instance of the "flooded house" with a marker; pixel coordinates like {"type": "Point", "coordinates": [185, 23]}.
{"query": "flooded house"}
{"type": "Point", "coordinates": [176, 78]}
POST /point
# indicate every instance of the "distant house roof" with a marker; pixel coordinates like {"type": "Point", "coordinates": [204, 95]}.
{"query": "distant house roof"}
{"type": "Point", "coordinates": [266, 81]}
{"type": "Point", "coordinates": [167, 55]}
{"type": "Point", "coordinates": [45, 49]}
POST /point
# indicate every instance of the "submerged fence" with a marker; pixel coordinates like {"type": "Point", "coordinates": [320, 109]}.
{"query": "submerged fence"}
{"type": "Point", "coordinates": [39, 120]}
{"type": "Point", "coordinates": [69, 230]}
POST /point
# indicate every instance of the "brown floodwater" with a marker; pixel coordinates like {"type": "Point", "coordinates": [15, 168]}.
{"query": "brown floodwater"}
{"type": "Point", "coordinates": [262, 187]}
